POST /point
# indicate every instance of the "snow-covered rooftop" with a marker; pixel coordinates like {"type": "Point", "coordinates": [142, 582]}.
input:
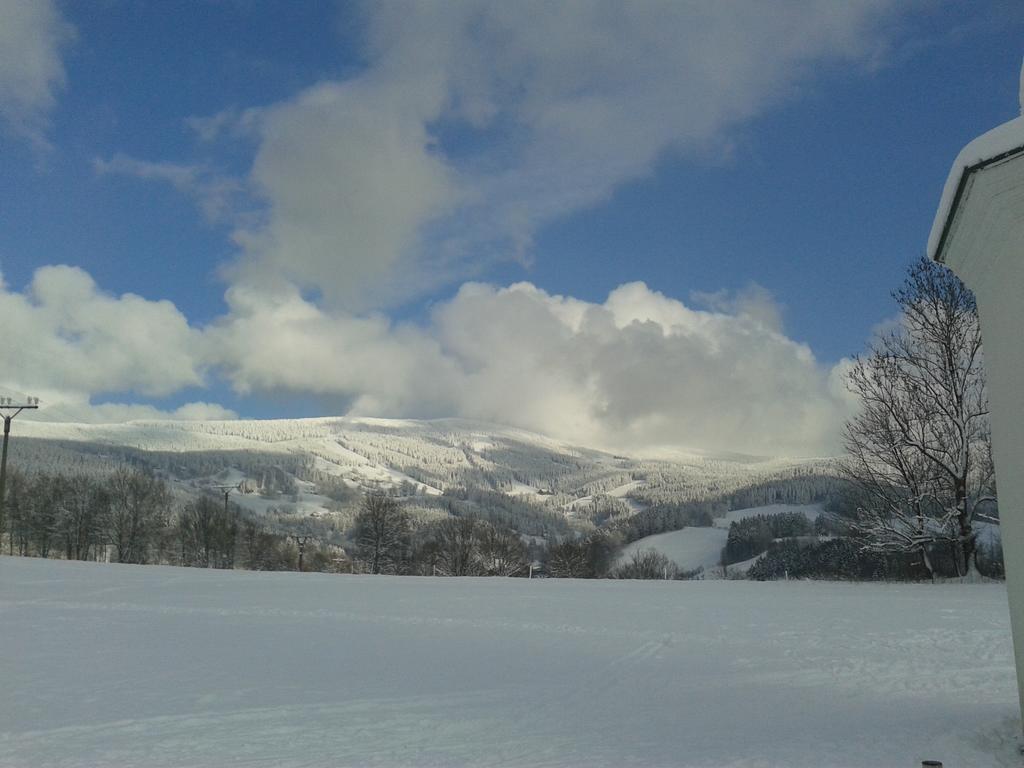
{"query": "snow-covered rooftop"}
{"type": "Point", "coordinates": [1001, 143]}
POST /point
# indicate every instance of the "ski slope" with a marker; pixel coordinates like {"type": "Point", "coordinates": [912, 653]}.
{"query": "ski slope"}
{"type": "Point", "coordinates": [156, 666]}
{"type": "Point", "coordinates": [811, 511]}
{"type": "Point", "coordinates": [698, 547]}
{"type": "Point", "coordinates": [689, 548]}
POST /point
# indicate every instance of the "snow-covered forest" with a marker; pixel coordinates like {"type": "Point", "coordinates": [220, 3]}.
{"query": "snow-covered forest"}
{"type": "Point", "coordinates": [570, 511]}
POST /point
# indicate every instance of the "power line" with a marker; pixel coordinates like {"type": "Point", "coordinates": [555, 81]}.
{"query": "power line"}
{"type": "Point", "coordinates": [301, 541]}
{"type": "Point", "coordinates": [226, 490]}
{"type": "Point", "coordinates": [54, 412]}
{"type": "Point", "coordinates": [7, 404]}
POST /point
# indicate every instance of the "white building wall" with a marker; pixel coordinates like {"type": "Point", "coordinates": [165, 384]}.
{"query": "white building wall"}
{"type": "Point", "coordinates": [985, 247]}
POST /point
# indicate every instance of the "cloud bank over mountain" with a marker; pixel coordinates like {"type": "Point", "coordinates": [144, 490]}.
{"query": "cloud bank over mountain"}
{"type": "Point", "coordinates": [638, 371]}
{"type": "Point", "coordinates": [465, 129]}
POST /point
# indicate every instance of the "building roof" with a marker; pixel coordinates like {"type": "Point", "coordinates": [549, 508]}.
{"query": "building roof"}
{"type": "Point", "coordinates": [996, 146]}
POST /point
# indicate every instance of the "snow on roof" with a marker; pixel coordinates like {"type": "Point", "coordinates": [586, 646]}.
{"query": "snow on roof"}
{"type": "Point", "coordinates": [1005, 140]}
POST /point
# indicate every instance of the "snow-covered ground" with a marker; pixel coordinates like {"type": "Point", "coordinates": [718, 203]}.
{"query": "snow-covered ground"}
{"type": "Point", "coordinates": [811, 511]}
{"type": "Point", "coordinates": [689, 548]}
{"type": "Point", "coordinates": [156, 666]}
{"type": "Point", "coordinates": [620, 492]}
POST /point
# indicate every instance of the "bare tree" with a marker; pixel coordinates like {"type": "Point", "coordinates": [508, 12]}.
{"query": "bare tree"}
{"type": "Point", "coordinates": [501, 553]}
{"type": "Point", "coordinates": [258, 546]}
{"type": "Point", "coordinates": [82, 517]}
{"type": "Point", "coordinates": [918, 446]}
{"type": "Point", "coordinates": [138, 506]}
{"type": "Point", "coordinates": [570, 559]}
{"type": "Point", "coordinates": [647, 564]}
{"type": "Point", "coordinates": [457, 547]}
{"type": "Point", "coordinates": [382, 533]}
{"type": "Point", "coordinates": [208, 533]}
{"type": "Point", "coordinates": [592, 557]}
{"type": "Point", "coordinates": [48, 497]}
{"type": "Point", "coordinates": [18, 512]}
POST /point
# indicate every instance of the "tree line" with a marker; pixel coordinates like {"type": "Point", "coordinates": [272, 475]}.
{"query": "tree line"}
{"type": "Point", "coordinates": [753, 535]}
{"type": "Point", "coordinates": [387, 542]}
{"type": "Point", "coordinates": [131, 516]}
{"type": "Point", "coordinates": [470, 546]}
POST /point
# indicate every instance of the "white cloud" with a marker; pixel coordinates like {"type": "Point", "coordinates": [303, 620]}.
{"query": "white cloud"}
{"type": "Point", "coordinates": [640, 370]}
{"type": "Point", "coordinates": [213, 192]}
{"type": "Point", "coordinates": [64, 334]}
{"type": "Point", "coordinates": [754, 301]}
{"type": "Point", "coordinates": [349, 177]}
{"type": "Point", "coordinates": [637, 371]}
{"type": "Point", "coordinates": [231, 122]}
{"type": "Point", "coordinates": [838, 387]}
{"type": "Point", "coordinates": [72, 407]}
{"type": "Point", "coordinates": [32, 33]}
{"type": "Point", "coordinates": [368, 197]}
{"type": "Point", "coordinates": [286, 343]}
{"type": "Point", "coordinates": [202, 411]}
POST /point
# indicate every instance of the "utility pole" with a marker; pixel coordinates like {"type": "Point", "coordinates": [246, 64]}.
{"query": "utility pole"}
{"type": "Point", "coordinates": [226, 490]}
{"type": "Point", "coordinates": [7, 405]}
{"type": "Point", "coordinates": [301, 542]}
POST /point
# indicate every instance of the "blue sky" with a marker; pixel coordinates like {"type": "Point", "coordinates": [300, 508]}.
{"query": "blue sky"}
{"type": "Point", "coordinates": [445, 209]}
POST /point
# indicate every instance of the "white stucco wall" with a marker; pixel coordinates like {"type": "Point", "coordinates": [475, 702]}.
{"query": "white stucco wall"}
{"type": "Point", "coordinates": [985, 247]}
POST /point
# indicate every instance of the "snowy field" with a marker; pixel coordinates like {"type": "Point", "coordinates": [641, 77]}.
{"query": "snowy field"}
{"type": "Point", "coordinates": [810, 511]}
{"type": "Point", "coordinates": [153, 666]}
{"type": "Point", "coordinates": [689, 548]}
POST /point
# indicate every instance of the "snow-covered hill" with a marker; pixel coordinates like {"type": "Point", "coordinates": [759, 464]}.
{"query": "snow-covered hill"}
{"type": "Point", "coordinates": [302, 463]}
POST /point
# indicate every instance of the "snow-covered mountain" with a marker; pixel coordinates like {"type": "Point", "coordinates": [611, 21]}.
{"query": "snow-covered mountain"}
{"type": "Point", "coordinates": [302, 464]}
